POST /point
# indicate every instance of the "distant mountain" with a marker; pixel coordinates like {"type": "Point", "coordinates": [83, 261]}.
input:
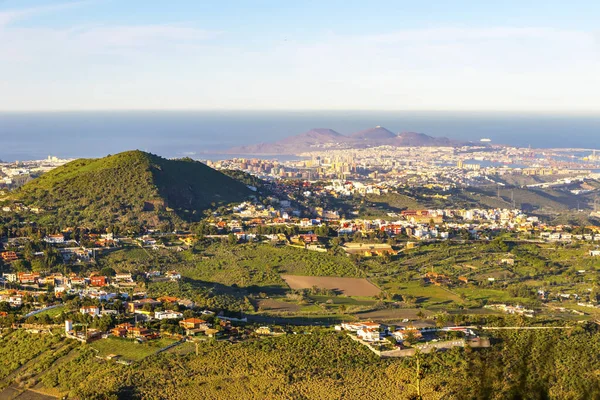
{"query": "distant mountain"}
{"type": "Point", "coordinates": [129, 188]}
{"type": "Point", "coordinates": [377, 133]}
{"type": "Point", "coordinates": [307, 141]}
{"type": "Point", "coordinates": [415, 139]}
{"type": "Point", "coordinates": [315, 136]}
{"type": "Point", "coordinates": [328, 139]}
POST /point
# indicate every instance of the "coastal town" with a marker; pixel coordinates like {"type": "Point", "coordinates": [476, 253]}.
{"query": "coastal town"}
{"type": "Point", "coordinates": [417, 166]}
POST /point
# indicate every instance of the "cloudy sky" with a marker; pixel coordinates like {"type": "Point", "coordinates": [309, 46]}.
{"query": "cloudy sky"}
{"type": "Point", "coordinates": [522, 55]}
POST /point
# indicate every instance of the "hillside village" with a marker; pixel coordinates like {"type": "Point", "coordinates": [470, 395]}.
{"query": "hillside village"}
{"type": "Point", "coordinates": [98, 304]}
{"type": "Point", "coordinates": [295, 254]}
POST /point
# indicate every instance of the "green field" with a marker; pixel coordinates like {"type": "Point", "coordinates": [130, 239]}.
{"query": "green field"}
{"type": "Point", "coordinates": [53, 312]}
{"type": "Point", "coordinates": [221, 275]}
{"type": "Point", "coordinates": [129, 349]}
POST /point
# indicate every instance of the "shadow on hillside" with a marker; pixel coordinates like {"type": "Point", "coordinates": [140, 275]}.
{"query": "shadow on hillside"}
{"type": "Point", "coordinates": [235, 290]}
{"type": "Point", "coordinates": [296, 320]}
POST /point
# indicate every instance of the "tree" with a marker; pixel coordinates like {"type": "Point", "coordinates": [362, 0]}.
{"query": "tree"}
{"type": "Point", "coordinates": [21, 265]}
{"type": "Point", "coordinates": [147, 307]}
{"type": "Point", "coordinates": [108, 271]}
{"type": "Point", "coordinates": [38, 265]}
{"type": "Point", "coordinates": [45, 319]}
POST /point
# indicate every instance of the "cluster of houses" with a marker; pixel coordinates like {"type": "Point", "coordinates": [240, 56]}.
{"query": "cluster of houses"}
{"type": "Point", "coordinates": [143, 310]}
{"type": "Point", "coordinates": [19, 207]}
{"type": "Point", "coordinates": [13, 297]}
{"type": "Point", "coordinates": [420, 224]}
{"type": "Point", "coordinates": [85, 286]}
{"type": "Point", "coordinates": [509, 309]}
{"type": "Point", "coordinates": [558, 236]}
{"type": "Point", "coordinates": [192, 326]}
{"type": "Point", "coordinates": [373, 332]}
{"type": "Point", "coordinates": [417, 224]}
{"type": "Point", "coordinates": [63, 283]}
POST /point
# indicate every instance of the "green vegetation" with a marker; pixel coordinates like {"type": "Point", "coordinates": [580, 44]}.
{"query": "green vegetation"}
{"type": "Point", "coordinates": [520, 365]}
{"type": "Point", "coordinates": [242, 265]}
{"type": "Point", "coordinates": [557, 205]}
{"type": "Point", "coordinates": [18, 348]}
{"type": "Point", "coordinates": [129, 189]}
{"type": "Point", "coordinates": [218, 273]}
{"type": "Point", "coordinates": [129, 349]}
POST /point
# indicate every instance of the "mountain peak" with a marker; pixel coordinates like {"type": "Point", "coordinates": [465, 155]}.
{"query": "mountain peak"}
{"type": "Point", "coordinates": [133, 187]}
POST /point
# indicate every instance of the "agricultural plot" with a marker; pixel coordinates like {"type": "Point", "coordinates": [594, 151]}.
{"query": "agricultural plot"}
{"type": "Point", "coordinates": [395, 314]}
{"type": "Point", "coordinates": [347, 286]}
{"type": "Point", "coordinates": [129, 349]}
{"type": "Point", "coordinates": [425, 295]}
{"type": "Point", "coordinates": [277, 306]}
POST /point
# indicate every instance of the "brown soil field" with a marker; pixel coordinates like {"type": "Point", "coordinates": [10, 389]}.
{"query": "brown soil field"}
{"type": "Point", "coordinates": [348, 286]}
{"type": "Point", "coordinates": [15, 394]}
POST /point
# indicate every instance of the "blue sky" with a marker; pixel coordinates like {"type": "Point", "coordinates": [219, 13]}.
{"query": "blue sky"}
{"type": "Point", "coordinates": [523, 55]}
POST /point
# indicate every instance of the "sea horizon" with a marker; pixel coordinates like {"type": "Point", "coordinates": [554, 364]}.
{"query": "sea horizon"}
{"type": "Point", "coordinates": [200, 134]}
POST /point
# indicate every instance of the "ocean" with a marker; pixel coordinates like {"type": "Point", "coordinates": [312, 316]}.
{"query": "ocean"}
{"type": "Point", "coordinates": [201, 134]}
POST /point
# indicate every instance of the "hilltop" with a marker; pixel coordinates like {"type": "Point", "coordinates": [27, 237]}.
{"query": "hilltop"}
{"type": "Point", "coordinates": [324, 138]}
{"type": "Point", "coordinates": [129, 188]}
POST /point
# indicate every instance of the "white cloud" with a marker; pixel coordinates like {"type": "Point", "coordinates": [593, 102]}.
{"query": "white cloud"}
{"type": "Point", "coordinates": [495, 68]}
{"type": "Point", "coordinates": [181, 66]}
{"type": "Point", "coordinates": [8, 17]}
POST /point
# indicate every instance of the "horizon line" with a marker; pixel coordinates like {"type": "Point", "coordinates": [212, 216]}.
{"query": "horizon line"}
{"type": "Point", "coordinates": [309, 110]}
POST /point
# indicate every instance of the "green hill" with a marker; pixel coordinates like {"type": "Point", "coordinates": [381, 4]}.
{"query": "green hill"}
{"type": "Point", "coordinates": [129, 188]}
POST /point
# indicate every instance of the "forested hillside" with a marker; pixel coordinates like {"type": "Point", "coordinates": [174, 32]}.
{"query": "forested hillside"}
{"type": "Point", "coordinates": [129, 188]}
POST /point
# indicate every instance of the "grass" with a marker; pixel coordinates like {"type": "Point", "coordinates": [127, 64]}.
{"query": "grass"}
{"type": "Point", "coordinates": [53, 312]}
{"type": "Point", "coordinates": [489, 295]}
{"type": "Point", "coordinates": [129, 349]}
{"type": "Point", "coordinates": [427, 296]}
{"type": "Point", "coordinates": [257, 267]}
{"type": "Point", "coordinates": [348, 301]}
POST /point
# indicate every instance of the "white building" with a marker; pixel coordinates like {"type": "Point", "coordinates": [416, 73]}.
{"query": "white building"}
{"type": "Point", "coordinates": [369, 334]}
{"type": "Point", "coordinates": [167, 315]}
{"type": "Point", "coordinates": [8, 277]}
{"type": "Point", "coordinates": [91, 310]}
{"type": "Point", "coordinates": [55, 239]}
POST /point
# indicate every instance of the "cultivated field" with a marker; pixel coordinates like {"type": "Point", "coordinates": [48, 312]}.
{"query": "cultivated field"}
{"type": "Point", "coordinates": [277, 306]}
{"type": "Point", "coordinates": [129, 349]}
{"type": "Point", "coordinates": [347, 286]}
